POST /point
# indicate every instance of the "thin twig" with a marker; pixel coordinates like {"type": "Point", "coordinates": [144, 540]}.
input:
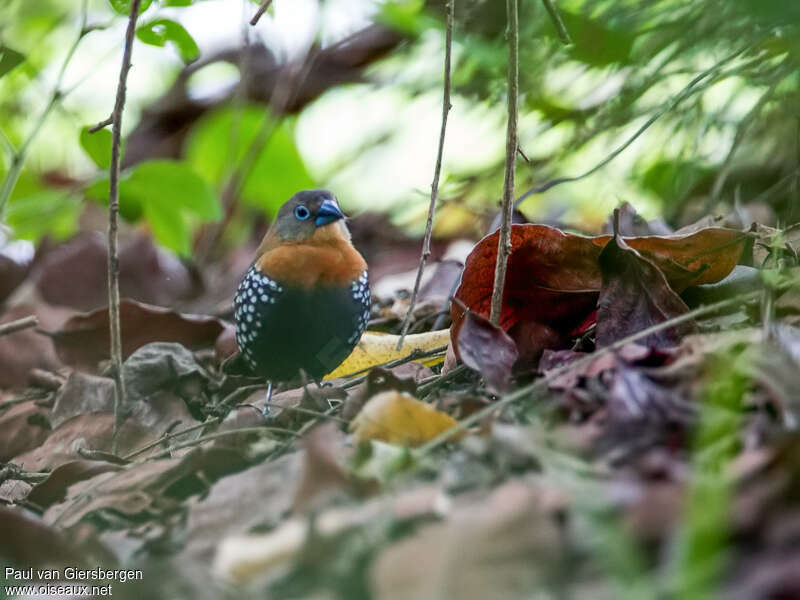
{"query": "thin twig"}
{"type": "Point", "coordinates": [169, 436]}
{"type": "Point", "coordinates": [446, 106]}
{"type": "Point", "coordinates": [218, 434]}
{"type": "Point", "coordinates": [113, 212]}
{"type": "Point", "coordinates": [260, 12]}
{"type": "Point", "coordinates": [412, 356]}
{"type": "Point", "coordinates": [539, 385]}
{"type": "Point", "coordinates": [18, 157]}
{"type": "Point", "coordinates": [561, 29]}
{"type": "Point", "coordinates": [18, 325]}
{"type": "Point", "coordinates": [677, 99]}
{"type": "Point", "coordinates": [101, 125]}
{"type": "Point", "coordinates": [504, 239]}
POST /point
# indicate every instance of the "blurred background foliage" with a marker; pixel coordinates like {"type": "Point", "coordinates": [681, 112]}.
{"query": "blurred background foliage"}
{"type": "Point", "coordinates": [225, 121]}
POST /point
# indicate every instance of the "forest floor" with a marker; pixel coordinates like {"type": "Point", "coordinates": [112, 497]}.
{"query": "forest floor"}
{"type": "Point", "coordinates": [629, 432]}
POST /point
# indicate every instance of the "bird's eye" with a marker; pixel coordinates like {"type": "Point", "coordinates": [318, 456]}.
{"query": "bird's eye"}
{"type": "Point", "coordinates": [301, 212]}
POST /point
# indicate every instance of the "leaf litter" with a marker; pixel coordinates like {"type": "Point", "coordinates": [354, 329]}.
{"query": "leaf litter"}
{"type": "Point", "coordinates": [567, 437]}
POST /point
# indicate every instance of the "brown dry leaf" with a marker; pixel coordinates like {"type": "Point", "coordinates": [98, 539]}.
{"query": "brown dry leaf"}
{"type": "Point", "coordinates": [501, 547]}
{"type": "Point", "coordinates": [83, 341]}
{"type": "Point", "coordinates": [399, 418]}
{"type": "Point", "coordinates": [35, 543]}
{"type": "Point", "coordinates": [75, 273]}
{"type": "Point", "coordinates": [322, 473]}
{"type": "Point", "coordinates": [634, 296]}
{"type": "Point", "coordinates": [92, 432]}
{"type": "Point", "coordinates": [488, 349]}
{"type": "Point", "coordinates": [24, 350]}
{"type": "Point", "coordinates": [16, 258]}
{"type": "Point", "coordinates": [24, 427]}
{"type": "Point", "coordinates": [54, 488]}
{"type": "Point", "coordinates": [259, 495]}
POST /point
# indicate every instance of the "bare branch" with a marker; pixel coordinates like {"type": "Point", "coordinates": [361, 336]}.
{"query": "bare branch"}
{"type": "Point", "coordinates": [260, 12]}
{"type": "Point", "coordinates": [512, 145]}
{"type": "Point", "coordinates": [446, 106]}
{"type": "Point", "coordinates": [113, 213]}
{"type": "Point", "coordinates": [18, 325]}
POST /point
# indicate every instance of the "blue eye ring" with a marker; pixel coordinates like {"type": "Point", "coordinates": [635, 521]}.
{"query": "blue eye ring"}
{"type": "Point", "coordinates": [302, 213]}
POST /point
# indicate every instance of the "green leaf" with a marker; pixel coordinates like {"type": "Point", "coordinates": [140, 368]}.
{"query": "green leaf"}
{"type": "Point", "coordinates": [47, 212]}
{"type": "Point", "coordinates": [174, 184]}
{"type": "Point", "coordinates": [130, 207]}
{"type": "Point", "coordinates": [169, 227]}
{"type": "Point", "coordinates": [404, 15]}
{"type": "Point", "coordinates": [9, 59]}
{"type": "Point", "coordinates": [593, 42]}
{"type": "Point", "coordinates": [160, 31]}
{"type": "Point", "coordinates": [177, 2]}
{"type": "Point", "coordinates": [97, 145]}
{"type": "Point", "coordinates": [123, 7]}
{"type": "Point", "coordinates": [219, 142]}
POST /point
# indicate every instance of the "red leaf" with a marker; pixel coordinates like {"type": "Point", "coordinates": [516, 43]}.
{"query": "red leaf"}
{"type": "Point", "coordinates": [554, 278]}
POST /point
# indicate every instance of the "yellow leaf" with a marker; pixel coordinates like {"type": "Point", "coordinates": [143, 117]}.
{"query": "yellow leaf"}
{"type": "Point", "coordinates": [399, 418]}
{"type": "Point", "coordinates": [376, 348]}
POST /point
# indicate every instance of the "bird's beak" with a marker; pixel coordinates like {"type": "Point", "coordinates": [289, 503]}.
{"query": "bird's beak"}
{"type": "Point", "coordinates": [328, 212]}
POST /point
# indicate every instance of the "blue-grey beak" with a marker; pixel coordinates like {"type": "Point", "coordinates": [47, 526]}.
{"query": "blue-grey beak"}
{"type": "Point", "coordinates": [328, 212]}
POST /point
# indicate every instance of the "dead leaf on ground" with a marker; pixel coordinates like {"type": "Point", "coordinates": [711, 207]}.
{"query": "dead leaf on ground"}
{"type": "Point", "coordinates": [75, 273]}
{"type": "Point", "coordinates": [499, 547]}
{"type": "Point", "coordinates": [554, 278]}
{"type": "Point", "coordinates": [486, 348]}
{"type": "Point", "coordinates": [322, 473]}
{"type": "Point", "coordinates": [399, 418]}
{"type": "Point", "coordinates": [24, 350]}
{"type": "Point", "coordinates": [54, 488]}
{"type": "Point", "coordinates": [635, 295]}
{"type": "Point", "coordinates": [24, 427]}
{"type": "Point", "coordinates": [83, 341]}
{"type": "Point", "coordinates": [91, 432]}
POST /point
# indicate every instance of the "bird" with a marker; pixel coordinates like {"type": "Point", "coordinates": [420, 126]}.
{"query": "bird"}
{"type": "Point", "coordinates": [304, 302]}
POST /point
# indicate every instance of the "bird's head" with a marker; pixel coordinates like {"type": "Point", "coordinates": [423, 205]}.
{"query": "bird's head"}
{"type": "Point", "coordinates": [309, 243]}
{"type": "Point", "coordinates": [308, 216]}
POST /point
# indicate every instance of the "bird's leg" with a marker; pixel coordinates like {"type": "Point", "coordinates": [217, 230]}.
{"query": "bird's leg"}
{"type": "Point", "coordinates": [267, 413]}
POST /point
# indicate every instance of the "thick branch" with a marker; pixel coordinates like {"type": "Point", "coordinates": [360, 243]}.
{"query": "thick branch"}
{"type": "Point", "coordinates": [426, 243]}
{"type": "Point", "coordinates": [113, 213]}
{"type": "Point", "coordinates": [504, 239]}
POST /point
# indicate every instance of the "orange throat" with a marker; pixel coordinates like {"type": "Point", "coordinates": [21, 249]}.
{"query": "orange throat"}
{"type": "Point", "coordinates": [327, 258]}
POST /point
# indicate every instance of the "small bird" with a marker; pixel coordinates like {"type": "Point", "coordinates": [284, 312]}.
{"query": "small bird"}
{"type": "Point", "coordinates": [305, 301]}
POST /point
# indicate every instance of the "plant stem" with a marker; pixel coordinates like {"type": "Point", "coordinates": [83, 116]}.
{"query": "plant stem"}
{"type": "Point", "coordinates": [446, 106]}
{"type": "Point", "coordinates": [561, 29]}
{"type": "Point", "coordinates": [504, 239]}
{"type": "Point", "coordinates": [113, 213]}
{"type": "Point", "coordinates": [18, 157]}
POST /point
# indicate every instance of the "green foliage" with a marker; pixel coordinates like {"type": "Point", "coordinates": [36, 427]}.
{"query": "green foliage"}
{"type": "Point", "coordinates": [160, 31]}
{"type": "Point", "coordinates": [97, 145]}
{"type": "Point", "coordinates": [123, 7]}
{"type": "Point", "coordinates": [701, 552]}
{"type": "Point", "coordinates": [221, 142]}
{"type": "Point", "coordinates": [169, 195]}
{"type": "Point", "coordinates": [9, 59]}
